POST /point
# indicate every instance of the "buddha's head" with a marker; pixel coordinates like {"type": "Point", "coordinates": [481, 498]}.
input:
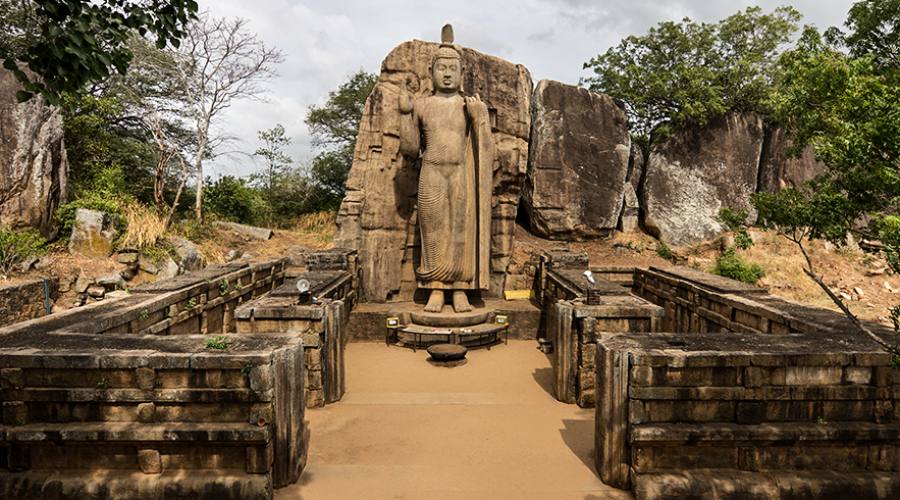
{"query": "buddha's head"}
{"type": "Point", "coordinates": [446, 70]}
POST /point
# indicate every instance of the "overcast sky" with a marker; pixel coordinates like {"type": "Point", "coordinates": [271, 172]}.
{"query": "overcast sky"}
{"type": "Point", "coordinates": [324, 41]}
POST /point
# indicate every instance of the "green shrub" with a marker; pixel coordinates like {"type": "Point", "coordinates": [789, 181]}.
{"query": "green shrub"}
{"type": "Point", "coordinates": [736, 222]}
{"type": "Point", "coordinates": [665, 252]}
{"type": "Point", "coordinates": [18, 246]}
{"type": "Point", "coordinates": [731, 265]}
{"type": "Point", "coordinates": [218, 342]}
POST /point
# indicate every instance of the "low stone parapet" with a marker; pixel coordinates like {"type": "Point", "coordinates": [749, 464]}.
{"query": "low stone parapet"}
{"type": "Point", "coordinates": [196, 303]}
{"type": "Point", "coordinates": [120, 416]}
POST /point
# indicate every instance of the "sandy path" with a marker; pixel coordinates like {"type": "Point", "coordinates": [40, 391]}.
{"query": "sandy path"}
{"type": "Point", "coordinates": [488, 429]}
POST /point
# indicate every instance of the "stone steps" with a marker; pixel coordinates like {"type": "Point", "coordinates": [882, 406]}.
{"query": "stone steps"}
{"type": "Point", "coordinates": [199, 484]}
{"type": "Point", "coordinates": [470, 336]}
{"type": "Point", "coordinates": [730, 484]}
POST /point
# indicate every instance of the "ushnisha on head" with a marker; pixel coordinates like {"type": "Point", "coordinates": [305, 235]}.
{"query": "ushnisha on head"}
{"type": "Point", "coordinates": [446, 68]}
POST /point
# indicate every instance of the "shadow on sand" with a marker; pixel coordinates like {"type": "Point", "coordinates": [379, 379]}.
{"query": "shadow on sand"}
{"type": "Point", "coordinates": [579, 437]}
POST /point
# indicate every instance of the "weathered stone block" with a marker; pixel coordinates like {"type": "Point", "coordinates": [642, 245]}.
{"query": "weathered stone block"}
{"type": "Point", "coordinates": [11, 378]}
{"type": "Point", "coordinates": [15, 413]}
{"type": "Point", "coordinates": [813, 375]}
{"type": "Point", "coordinates": [145, 378]}
{"type": "Point", "coordinates": [698, 171]}
{"type": "Point", "coordinates": [146, 412]}
{"type": "Point", "coordinates": [149, 461]}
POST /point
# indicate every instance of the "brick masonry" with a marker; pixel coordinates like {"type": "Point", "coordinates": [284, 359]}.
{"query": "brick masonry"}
{"type": "Point", "coordinates": [28, 300]}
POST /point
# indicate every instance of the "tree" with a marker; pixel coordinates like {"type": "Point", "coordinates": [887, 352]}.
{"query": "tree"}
{"type": "Point", "coordinates": [272, 151]}
{"type": "Point", "coordinates": [219, 62]}
{"type": "Point", "coordinates": [846, 107]}
{"type": "Point", "coordinates": [152, 94]}
{"type": "Point", "coordinates": [334, 126]}
{"type": "Point", "coordinates": [691, 72]}
{"type": "Point", "coordinates": [70, 44]}
{"type": "Point", "coordinates": [875, 30]}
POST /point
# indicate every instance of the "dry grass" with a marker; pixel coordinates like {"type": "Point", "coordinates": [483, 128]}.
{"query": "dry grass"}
{"type": "Point", "coordinates": [144, 226]}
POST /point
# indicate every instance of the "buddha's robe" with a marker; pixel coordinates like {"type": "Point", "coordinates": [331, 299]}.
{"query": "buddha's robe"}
{"type": "Point", "coordinates": [454, 198]}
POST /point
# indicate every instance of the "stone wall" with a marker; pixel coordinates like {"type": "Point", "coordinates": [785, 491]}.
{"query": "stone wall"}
{"type": "Point", "coordinates": [114, 416]}
{"type": "Point", "coordinates": [695, 301]}
{"type": "Point", "coordinates": [195, 303]}
{"type": "Point", "coordinates": [24, 301]}
{"type": "Point", "coordinates": [573, 326]}
{"type": "Point", "coordinates": [715, 415]}
{"type": "Point", "coordinates": [377, 216]}
{"type": "Point", "coordinates": [34, 170]}
{"type": "Point", "coordinates": [322, 327]}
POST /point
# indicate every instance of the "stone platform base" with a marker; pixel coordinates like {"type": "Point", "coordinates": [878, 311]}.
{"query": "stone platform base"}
{"type": "Point", "coordinates": [480, 327]}
{"type": "Point", "coordinates": [367, 320]}
{"type": "Point", "coordinates": [725, 484]}
{"type": "Point", "coordinates": [112, 484]}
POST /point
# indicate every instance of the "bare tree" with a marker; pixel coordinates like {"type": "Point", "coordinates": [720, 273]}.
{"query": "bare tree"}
{"type": "Point", "coordinates": [220, 61]}
{"type": "Point", "coordinates": [154, 97]}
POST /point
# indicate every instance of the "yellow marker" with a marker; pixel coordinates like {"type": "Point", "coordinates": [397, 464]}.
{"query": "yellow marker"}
{"type": "Point", "coordinates": [518, 294]}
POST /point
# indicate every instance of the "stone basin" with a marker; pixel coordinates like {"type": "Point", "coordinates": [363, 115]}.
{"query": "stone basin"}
{"type": "Point", "coordinates": [447, 352]}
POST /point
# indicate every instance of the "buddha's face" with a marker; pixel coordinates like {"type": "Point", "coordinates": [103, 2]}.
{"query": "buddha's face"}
{"type": "Point", "coordinates": [446, 75]}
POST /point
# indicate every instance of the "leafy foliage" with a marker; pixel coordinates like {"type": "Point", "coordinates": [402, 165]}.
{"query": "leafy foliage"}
{"type": "Point", "coordinates": [875, 30]}
{"type": "Point", "coordinates": [231, 198]}
{"type": "Point", "coordinates": [219, 342]}
{"type": "Point", "coordinates": [71, 44]}
{"type": "Point", "coordinates": [334, 127]}
{"type": "Point", "coordinates": [731, 265]}
{"type": "Point", "coordinates": [692, 72]}
{"type": "Point", "coordinates": [846, 106]}
{"type": "Point", "coordinates": [665, 252]}
{"type": "Point", "coordinates": [18, 246]}
{"type": "Point", "coordinates": [736, 222]}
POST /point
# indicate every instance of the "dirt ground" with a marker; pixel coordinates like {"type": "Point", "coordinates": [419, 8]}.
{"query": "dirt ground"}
{"type": "Point", "coordinates": [489, 429]}
{"type": "Point", "coordinates": [214, 248]}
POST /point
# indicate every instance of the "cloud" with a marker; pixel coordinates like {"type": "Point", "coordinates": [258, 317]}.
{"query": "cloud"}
{"type": "Point", "coordinates": [325, 41]}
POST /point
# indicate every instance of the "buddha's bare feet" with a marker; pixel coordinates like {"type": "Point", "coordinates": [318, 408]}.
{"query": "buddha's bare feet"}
{"type": "Point", "coordinates": [461, 302]}
{"type": "Point", "coordinates": [435, 301]}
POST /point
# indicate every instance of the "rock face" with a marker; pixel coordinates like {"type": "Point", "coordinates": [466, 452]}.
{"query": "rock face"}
{"type": "Point", "coordinates": [578, 163]}
{"type": "Point", "coordinates": [631, 205]}
{"type": "Point", "coordinates": [778, 171]}
{"type": "Point", "coordinates": [698, 171]}
{"type": "Point", "coordinates": [33, 164]}
{"type": "Point", "coordinates": [378, 214]}
{"type": "Point", "coordinates": [92, 234]}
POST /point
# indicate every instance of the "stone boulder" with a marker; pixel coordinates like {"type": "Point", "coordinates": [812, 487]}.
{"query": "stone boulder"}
{"type": "Point", "coordinates": [189, 257]}
{"type": "Point", "coordinates": [578, 161]}
{"type": "Point", "coordinates": [33, 166]}
{"type": "Point", "coordinates": [377, 216]}
{"type": "Point", "coordinates": [92, 234]}
{"type": "Point", "coordinates": [778, 170]}
{"type": "Point", "coordinates": [698, 171]}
